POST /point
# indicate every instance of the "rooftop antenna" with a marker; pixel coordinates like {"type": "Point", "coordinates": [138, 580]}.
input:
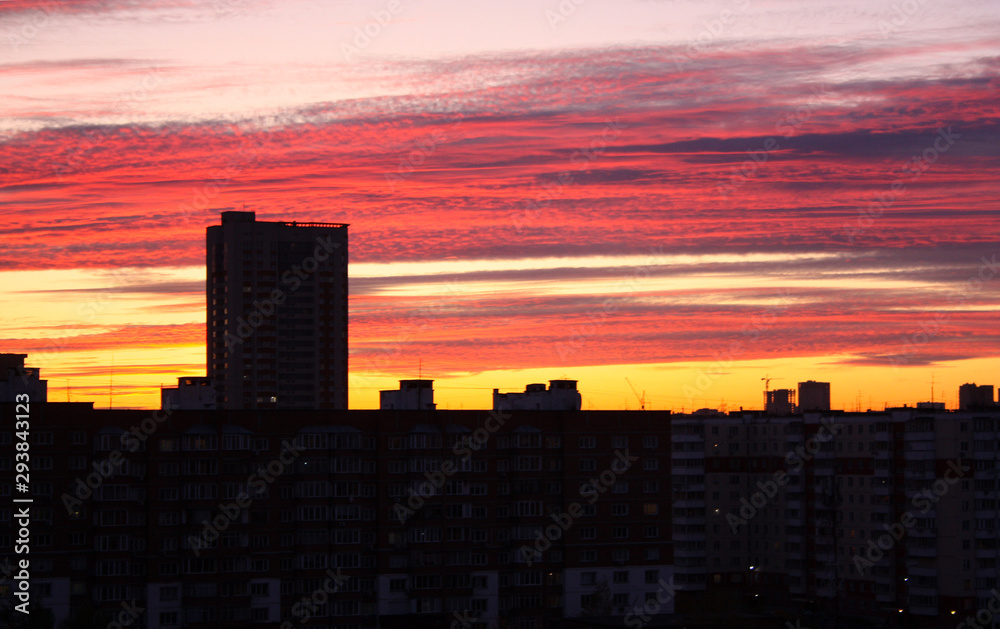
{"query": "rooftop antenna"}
{"type": "Point", "coordinates": [932, 387]}
{"type": "Point", "coordinates": [111, 381]}
{"type": "Point", "coordinates": [420, 368]}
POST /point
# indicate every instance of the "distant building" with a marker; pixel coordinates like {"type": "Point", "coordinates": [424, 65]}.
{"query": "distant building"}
{"type": "Point", "coordinates": [413, 395]}
{"type": "Point", "coordinates": [933, 406]}
{"type": "Point", "coordinates": [191, 393]}
{"type": "Point", "coordinates": [814, 396]}
{"type": "Point", "coordinates": [16, 379]}
{"type": "Point", "coordinates": [975, 397]}
{"type": "Point", "coordinates": [277, 313]}
{"type": "Point", "coordinates": [560, 396]}
{"type": "Point", "coordinates": [780, 402]}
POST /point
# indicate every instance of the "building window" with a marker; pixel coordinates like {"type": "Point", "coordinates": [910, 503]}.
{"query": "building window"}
{"type": "Point", "coordinates": [587, 443]}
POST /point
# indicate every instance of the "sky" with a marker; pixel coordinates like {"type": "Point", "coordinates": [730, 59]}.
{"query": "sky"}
{"type": "Point", "coordinates": [665, 200]}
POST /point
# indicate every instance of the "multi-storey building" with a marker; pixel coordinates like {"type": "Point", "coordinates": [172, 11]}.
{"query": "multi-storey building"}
{"type": "Point", "coordinates": [510, 519]}
{"type": "Point", "coordinates": [891, 515]}
{"type": "Point", "coordinates": [277, 313]}
{"type": "Point", "coordinates": [318, 518]}
{"type": "Point", "coordinates": [813, 396]}
{"type": "Point", "coordinates": [975, 397]}
{"type": "Point", "coordinates": [16, 379]}
{"type": "Point", "coordinates": [561, 395]}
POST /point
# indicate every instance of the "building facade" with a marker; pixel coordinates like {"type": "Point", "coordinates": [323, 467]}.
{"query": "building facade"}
{"type": "Point", "coordinates": [975, 397]}
{"type": "Point", "coordinates": [16, 379]}
{"type": "Point", "coordinates": [278, 519]}
{"type": "Point", "coordinates": [530, 519]}
{"type": "Point", "coordinates": [277, 313]}
{"type": "Point", "coordinates": [814, 396]}
{"type": "Point", "coordinates": [561, 395]}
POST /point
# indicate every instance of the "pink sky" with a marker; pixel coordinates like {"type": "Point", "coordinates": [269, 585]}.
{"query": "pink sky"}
{"type": "Point", "coordinates": [689, 194]}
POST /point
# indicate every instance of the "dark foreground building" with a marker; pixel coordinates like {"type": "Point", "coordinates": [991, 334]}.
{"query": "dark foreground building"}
{"type": "Point", "coordinates": [527, 519]}
{"type": "Point", "coordinates": [277, 313]}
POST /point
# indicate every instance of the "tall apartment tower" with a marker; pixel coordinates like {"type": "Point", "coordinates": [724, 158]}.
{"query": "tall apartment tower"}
{"type": "Point", "coordinates": [975, 397]}
{"type": "Point", "coordinates": [277, 313]}
{"type": "Point", "coordinates": [814, 396]}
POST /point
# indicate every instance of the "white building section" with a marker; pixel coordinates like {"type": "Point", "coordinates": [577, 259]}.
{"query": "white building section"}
{"type": "Point", "coordinates": [560, 396]}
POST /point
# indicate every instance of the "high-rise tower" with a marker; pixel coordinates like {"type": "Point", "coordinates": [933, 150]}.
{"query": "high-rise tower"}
{"type": "Point", "coordinates": [277, 313]}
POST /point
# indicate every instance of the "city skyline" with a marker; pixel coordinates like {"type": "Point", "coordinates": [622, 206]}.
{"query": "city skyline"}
{"type": "Point", "coordinates": [694, 196]}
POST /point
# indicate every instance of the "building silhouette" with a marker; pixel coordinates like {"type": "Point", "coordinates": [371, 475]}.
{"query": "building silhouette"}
{"type": "Point", "coordinates": [412, 395]}
{"type": "Point", "coordinates": [16, 379]}
{"type": "Point", "coordinates": [975, 397]}
{"type": "Point", "coordinates": [277, 313]}
{"type": "Point", "coordinates": [814, 396]}
{"type": "Point", "coordinates": [561, 395]}
{"type": "Point", "coordinates": [191, 393]}
{"type": "Point", "coordinates": [780, 402]}
{"type": "Point", "coordinates": [228, 519]}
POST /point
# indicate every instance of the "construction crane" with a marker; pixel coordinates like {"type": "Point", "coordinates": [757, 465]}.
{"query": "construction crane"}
{"type": "Point", "coordinates": [642, 398]}
{"type": "Point", "coordinates": [767, 383]}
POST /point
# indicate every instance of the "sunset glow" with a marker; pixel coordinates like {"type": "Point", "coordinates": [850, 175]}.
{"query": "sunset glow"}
{"type": "Point", "coordinates": [692, 195]}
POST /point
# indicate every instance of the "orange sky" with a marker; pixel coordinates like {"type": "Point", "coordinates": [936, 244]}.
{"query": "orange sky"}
{"type": "Point", "coordinates": [597, 198]}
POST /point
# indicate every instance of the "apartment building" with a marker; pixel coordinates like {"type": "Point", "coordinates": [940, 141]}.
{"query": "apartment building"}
{"type": "Point", "coordinates": [887, 515]}
{"type": "Point", "coordinates": [276, 297]}
{"type": "Point", "coordinates": [389, 518]}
